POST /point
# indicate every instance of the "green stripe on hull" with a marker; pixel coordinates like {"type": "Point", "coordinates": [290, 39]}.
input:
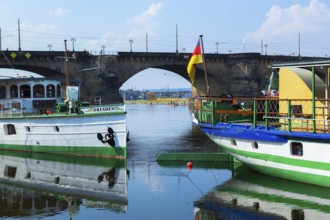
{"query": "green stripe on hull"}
{"type": "Point", "coordinates": [282, 160]}
{"type": "Point", "coordinates": [65, 115]}
{"type": "Point", "coordinates": [286, 174]}
{"type": "Point", "coordinates": [293, 175]}
{"type": "Point", "coordinates": [90, 161]}
{"type": "Point", "coordinates": [107, 151]}
{"type": "Point", "coordinates": [272, 198]}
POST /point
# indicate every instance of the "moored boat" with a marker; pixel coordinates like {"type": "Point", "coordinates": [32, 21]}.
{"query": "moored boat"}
{"type": "Point", "coordinates": [287, 135]}
{"type": "Point", "coordinates": [39, 114]}
{"type": "Point", "coordinates": [34, 118]}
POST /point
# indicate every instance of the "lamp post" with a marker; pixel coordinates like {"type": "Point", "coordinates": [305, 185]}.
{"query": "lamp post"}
{"type": "Point", "coordinates": [50, 47]}
{"type": "Point", "coordinates": [102, 51]}
{"type": "Point", "coordinates": [73, 40]}
{"type": "Point", "coordinates": [244, 45]}
{"type": "Point", "coordinates": [131, 42]}
{"type": "Point", "coordinates": [217, 45]}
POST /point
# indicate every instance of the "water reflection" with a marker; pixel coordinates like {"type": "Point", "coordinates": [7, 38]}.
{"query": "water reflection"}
{"type": "Point", "coordinates": [249, 195]}
{"type": "Point", "coordinates": [40, 185]}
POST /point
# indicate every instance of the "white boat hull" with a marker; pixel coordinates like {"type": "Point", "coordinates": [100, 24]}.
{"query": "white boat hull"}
{"type": "Point", "coordinates": [65, 135]}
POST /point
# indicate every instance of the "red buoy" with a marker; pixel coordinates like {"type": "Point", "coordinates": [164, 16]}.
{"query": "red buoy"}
{"type": "Point", "coordinates": [189, 165]}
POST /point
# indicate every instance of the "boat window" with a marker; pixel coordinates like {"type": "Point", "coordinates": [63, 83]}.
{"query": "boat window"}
{"type": "Point", "coordinates": [57, 180]}
{"type": "Point", "coordinates": [58, 88]}
{"type": "Point", "coordinates": [38, 91]}
{"type": "Point", "coordinates": [10, 171]}
{"type": "Point", "coordinates": [254, 145]}
{"type": "Point", "coordinates": [13, 91]}
{"type": "Point", "coordinates": [25, 91]}
{"type": "Point", "coordinates": [2, 92]}
{"type": "Point", "coordinates": [10, 129]}
{"type": "Point", "coordinates": [50, 91]}
{"type": "Point", "coordinates": [296, 148]}
{"type": "Point", "coordinates": [28, 175]}
{"type": "Point", "coordinates": [297, 214]}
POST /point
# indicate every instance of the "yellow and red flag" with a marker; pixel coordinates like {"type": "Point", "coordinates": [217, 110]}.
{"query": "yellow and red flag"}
{"type": "Point", "coordinates": [196, 58]}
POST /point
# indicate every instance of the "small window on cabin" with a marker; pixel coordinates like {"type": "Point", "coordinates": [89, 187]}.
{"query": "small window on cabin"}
{"type": "Point", "coordinates": [25, 91]}
{"type": "Point", "coordinates": [58, 90]}
{"type": "Point", "coordinates": [2, 92]}
{"type": "Point", "coordinates": [10, 129]}
{"type": "Point", "coordinates": [296, 148]}
{"type": "Point", "coordinates": [38, 91]}
{"type": "Point", "coordinates": [13, 91]}
{"type": "Point", "coordinates": [50, 91]}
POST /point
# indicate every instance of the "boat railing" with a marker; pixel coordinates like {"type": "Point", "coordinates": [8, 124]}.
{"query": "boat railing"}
{"type": "Point", "coordinates": [11, 108]}
{"type": "Point", "coordinates": [93, 100]}
{"type": "Point", "coordinates": [286, 114]}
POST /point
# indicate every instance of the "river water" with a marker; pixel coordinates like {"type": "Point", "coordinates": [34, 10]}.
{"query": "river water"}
{"type": "Point", "coordinates": [142, 188]}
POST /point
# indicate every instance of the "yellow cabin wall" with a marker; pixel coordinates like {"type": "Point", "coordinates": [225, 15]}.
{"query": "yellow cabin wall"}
{"type": "Point", "coordinates": [291, 86]}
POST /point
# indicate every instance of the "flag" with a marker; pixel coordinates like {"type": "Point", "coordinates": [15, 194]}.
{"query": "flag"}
{"type": "Point", "coordinates": [195, 59]}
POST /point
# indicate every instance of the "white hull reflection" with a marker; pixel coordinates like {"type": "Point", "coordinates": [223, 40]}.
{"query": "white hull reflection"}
{"type": "Point", "coordinates": [38, 185]}
{"type": "Point", "coordinates": [249, 195]}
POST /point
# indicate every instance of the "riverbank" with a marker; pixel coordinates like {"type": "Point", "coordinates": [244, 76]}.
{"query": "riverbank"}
{"type": "Point", "coordinates": [160, 101]}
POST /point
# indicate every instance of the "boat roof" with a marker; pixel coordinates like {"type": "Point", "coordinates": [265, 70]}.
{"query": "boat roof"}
{"type": "Point", "coordinates": [302, 64]}
{"type": "Point", "coordinates": [29, 79]}
{"type": "Point", "coordinates": [23, 79]}
{"type": "Point", "coordinates": [320, 66]}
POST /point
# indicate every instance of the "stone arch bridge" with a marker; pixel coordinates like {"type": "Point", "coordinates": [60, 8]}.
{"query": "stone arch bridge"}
{"type": "Point", "coordinates": [236, 74]}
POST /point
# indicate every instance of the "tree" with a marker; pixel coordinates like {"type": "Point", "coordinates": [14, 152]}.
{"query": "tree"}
{"type": "Point", "coordinates": [150, 95]}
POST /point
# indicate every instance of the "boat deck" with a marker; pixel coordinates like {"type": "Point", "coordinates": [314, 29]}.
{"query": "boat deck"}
{"type": "Point", "coordinates": [15, 109]}
{"type": "Point", "coordinates": [300, 115]}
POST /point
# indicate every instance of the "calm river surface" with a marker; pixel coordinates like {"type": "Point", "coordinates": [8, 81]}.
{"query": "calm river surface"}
{"type": "Point", "coordinates": [151, 190]}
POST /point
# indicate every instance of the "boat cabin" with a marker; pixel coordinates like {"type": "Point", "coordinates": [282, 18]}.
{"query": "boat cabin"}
{"type": "Point", "coordinates": [29, 94]}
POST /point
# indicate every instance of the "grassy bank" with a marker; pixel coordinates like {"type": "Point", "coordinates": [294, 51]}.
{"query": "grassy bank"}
{"type": "Point", "coordinates": [160, 101]}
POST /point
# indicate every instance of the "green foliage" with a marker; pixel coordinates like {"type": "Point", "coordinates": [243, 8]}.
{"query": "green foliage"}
{"type": "Point", "coordinates": [150, 96]}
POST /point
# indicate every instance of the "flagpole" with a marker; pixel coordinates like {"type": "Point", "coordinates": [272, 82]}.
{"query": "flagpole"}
{"type": "Point", "coordinates": [204, 64]}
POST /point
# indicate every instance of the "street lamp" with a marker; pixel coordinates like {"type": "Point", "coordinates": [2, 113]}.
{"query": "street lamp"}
{"type": "Point", "coordinates": [50, 47]}
{"type": "Point", "coordinates": [102, 51]}
{"type": "Point", "coordinates": [73, 40]}
{"type": "Point", "coordinates": [131, 41]}
{"type": "Point", "coordinates": [217, 45]}
{"type": "Point", "coordinates": [266, 45]}
{"type": "Point", "coordinates": [244, 44]}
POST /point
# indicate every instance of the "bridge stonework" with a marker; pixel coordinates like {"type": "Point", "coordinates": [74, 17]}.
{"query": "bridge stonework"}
{"type": "Point", "coordinates": [103, 75]}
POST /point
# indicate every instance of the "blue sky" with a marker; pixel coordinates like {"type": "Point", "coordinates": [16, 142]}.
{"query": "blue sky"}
{"type": "Point", "coordinates": [237, 25]}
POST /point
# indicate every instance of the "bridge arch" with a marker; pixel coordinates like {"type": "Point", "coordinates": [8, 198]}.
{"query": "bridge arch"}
{"type": "Point", "coordinates": [217, 86]}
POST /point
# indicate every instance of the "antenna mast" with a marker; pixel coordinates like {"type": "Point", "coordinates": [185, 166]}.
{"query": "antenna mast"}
{"type": "Point", "coordinates": [19, 37]}
{"type": "Point", "coordinates": [67, 74]}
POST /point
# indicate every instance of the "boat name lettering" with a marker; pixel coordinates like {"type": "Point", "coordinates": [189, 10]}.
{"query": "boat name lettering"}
{"type": "Point", "coordinates": [106, 109]}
